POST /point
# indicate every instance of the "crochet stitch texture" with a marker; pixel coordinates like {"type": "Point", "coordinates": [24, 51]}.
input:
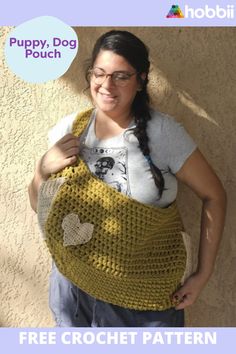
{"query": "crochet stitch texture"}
{"type": "Point", "coordinates": [135, 257]}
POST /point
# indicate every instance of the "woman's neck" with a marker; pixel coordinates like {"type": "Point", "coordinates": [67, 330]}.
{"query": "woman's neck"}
{"type": "Point", "coordinates": [108, 125]}
{"type": "Point", "coordinates": [121, 119]}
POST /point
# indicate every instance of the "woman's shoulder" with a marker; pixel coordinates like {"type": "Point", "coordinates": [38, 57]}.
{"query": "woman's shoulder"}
{"type": "Point", "coordinates": [65, 125]}
{"type": "Point", "coordinates": [162, 123]}
{"type": "Point", "coordinates": [61, 128]}
{"type": "Point", "coordinates": [166, 127]}
{"type": "Point", "coordinates": [169, 140]}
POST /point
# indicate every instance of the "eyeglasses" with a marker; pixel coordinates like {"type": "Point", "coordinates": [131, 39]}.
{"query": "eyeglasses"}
{"type": "Point", "coordinates": [118, 78]}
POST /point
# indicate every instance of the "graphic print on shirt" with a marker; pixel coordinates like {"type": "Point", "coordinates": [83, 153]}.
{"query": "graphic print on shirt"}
{"type": "Point", "coordinates": [110, 165]}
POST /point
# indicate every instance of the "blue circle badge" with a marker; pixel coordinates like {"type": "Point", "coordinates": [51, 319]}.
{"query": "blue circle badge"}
{"type": "Point", "coordinates": [41, 49]}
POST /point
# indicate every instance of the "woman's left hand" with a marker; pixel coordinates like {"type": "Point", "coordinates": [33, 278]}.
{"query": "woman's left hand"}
{"type": "Point", "coordinates": [188, 293]}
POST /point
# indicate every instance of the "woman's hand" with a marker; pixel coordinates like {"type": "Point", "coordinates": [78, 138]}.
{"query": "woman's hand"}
{"type": "Point", "coordinates": [62, 154]}
{"type": "Point", "coordinates": [188, 293]}
{"type": "Point", "coordinates": [59, 156]}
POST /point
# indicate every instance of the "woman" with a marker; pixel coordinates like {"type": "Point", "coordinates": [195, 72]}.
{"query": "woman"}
{"type": "Point", "coordinates": [142, 154]}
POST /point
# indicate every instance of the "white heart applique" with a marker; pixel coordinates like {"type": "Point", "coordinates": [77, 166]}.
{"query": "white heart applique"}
{"type": "Point", "coordinates": [76, 233]}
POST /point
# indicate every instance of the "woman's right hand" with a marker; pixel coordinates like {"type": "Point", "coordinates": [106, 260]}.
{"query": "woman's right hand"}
{"type": "Point", "coordinates": [62, 154]}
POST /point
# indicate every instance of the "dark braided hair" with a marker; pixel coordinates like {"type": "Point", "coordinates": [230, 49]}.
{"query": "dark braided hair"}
{"type": "Point", "coordinates": [130, 47]}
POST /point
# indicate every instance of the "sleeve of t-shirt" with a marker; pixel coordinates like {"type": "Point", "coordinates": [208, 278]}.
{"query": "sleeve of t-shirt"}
{"type": "Point", "coordinates": [63, 127]}
{"type": "Point", "coordinates": [170, 144]}
{"type": "Point", "coordinates": [180, 144]}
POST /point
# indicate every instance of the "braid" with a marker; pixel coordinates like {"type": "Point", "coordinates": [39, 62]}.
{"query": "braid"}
{"type": "Point", "coordinates": [142, 116]}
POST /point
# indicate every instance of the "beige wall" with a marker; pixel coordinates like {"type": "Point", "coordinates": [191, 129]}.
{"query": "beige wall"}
{"type": "Point", "coordinates": [194, 79]}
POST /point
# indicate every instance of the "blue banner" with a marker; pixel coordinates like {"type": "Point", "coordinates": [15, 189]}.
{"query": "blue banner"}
{"type": "Point", "coordinates": [123, 12]}
{"type": "Point", "coordinates": [115, 340]}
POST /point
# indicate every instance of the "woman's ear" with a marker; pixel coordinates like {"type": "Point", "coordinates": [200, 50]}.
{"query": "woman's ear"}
{"type": "Point", "coordinates": [143, 76]}
{"type": "Point", "coordinates": [141, 80]}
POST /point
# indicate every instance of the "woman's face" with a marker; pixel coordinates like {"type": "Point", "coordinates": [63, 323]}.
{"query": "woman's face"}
{"type": "Point", "coordinates": [109, 97]}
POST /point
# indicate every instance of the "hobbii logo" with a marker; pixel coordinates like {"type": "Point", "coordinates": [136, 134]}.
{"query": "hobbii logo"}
{"type": "Point", "coordinates": [206, 11]}
{"type": "Point", "coordinates": [209, 12]}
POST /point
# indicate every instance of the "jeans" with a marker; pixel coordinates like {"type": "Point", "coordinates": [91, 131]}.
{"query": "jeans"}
{"type": "Point", "coordinates": [72, 307]}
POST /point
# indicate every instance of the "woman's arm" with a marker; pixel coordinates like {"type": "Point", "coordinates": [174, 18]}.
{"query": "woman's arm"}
{"type": "Point", "coordinates": [199, 176]}
{"type": "Point", "coordinates": [59, 156]}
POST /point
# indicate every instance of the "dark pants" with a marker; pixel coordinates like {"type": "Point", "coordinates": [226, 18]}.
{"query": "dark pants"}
{"type": "Point", "coordinates": [72, 307]}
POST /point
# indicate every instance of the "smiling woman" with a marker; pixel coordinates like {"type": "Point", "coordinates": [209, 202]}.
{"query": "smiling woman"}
{"type": "Point", "coordinates": [105, 194]}
{"type": "Point", "coordinates": [113, 96]}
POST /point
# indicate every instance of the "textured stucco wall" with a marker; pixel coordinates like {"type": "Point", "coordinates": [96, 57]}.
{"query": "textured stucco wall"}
{"type": "Point", "coordinates": [194, 79]}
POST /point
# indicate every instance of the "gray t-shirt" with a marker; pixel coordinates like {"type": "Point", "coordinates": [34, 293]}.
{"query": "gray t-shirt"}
{"type": "Point", "coordinates": [119, 162]}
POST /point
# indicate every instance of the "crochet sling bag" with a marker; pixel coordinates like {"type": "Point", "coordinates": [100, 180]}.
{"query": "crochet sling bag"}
{"type": "Point", "coordinates": [111, 246]}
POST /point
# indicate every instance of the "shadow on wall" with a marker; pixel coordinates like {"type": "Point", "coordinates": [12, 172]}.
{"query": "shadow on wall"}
{"type": "Point", "coordinates": [192, 78]}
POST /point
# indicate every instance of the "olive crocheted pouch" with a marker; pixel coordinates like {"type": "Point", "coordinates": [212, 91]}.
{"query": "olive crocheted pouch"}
{"type": "Point", "coordinates": [111, 246]}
